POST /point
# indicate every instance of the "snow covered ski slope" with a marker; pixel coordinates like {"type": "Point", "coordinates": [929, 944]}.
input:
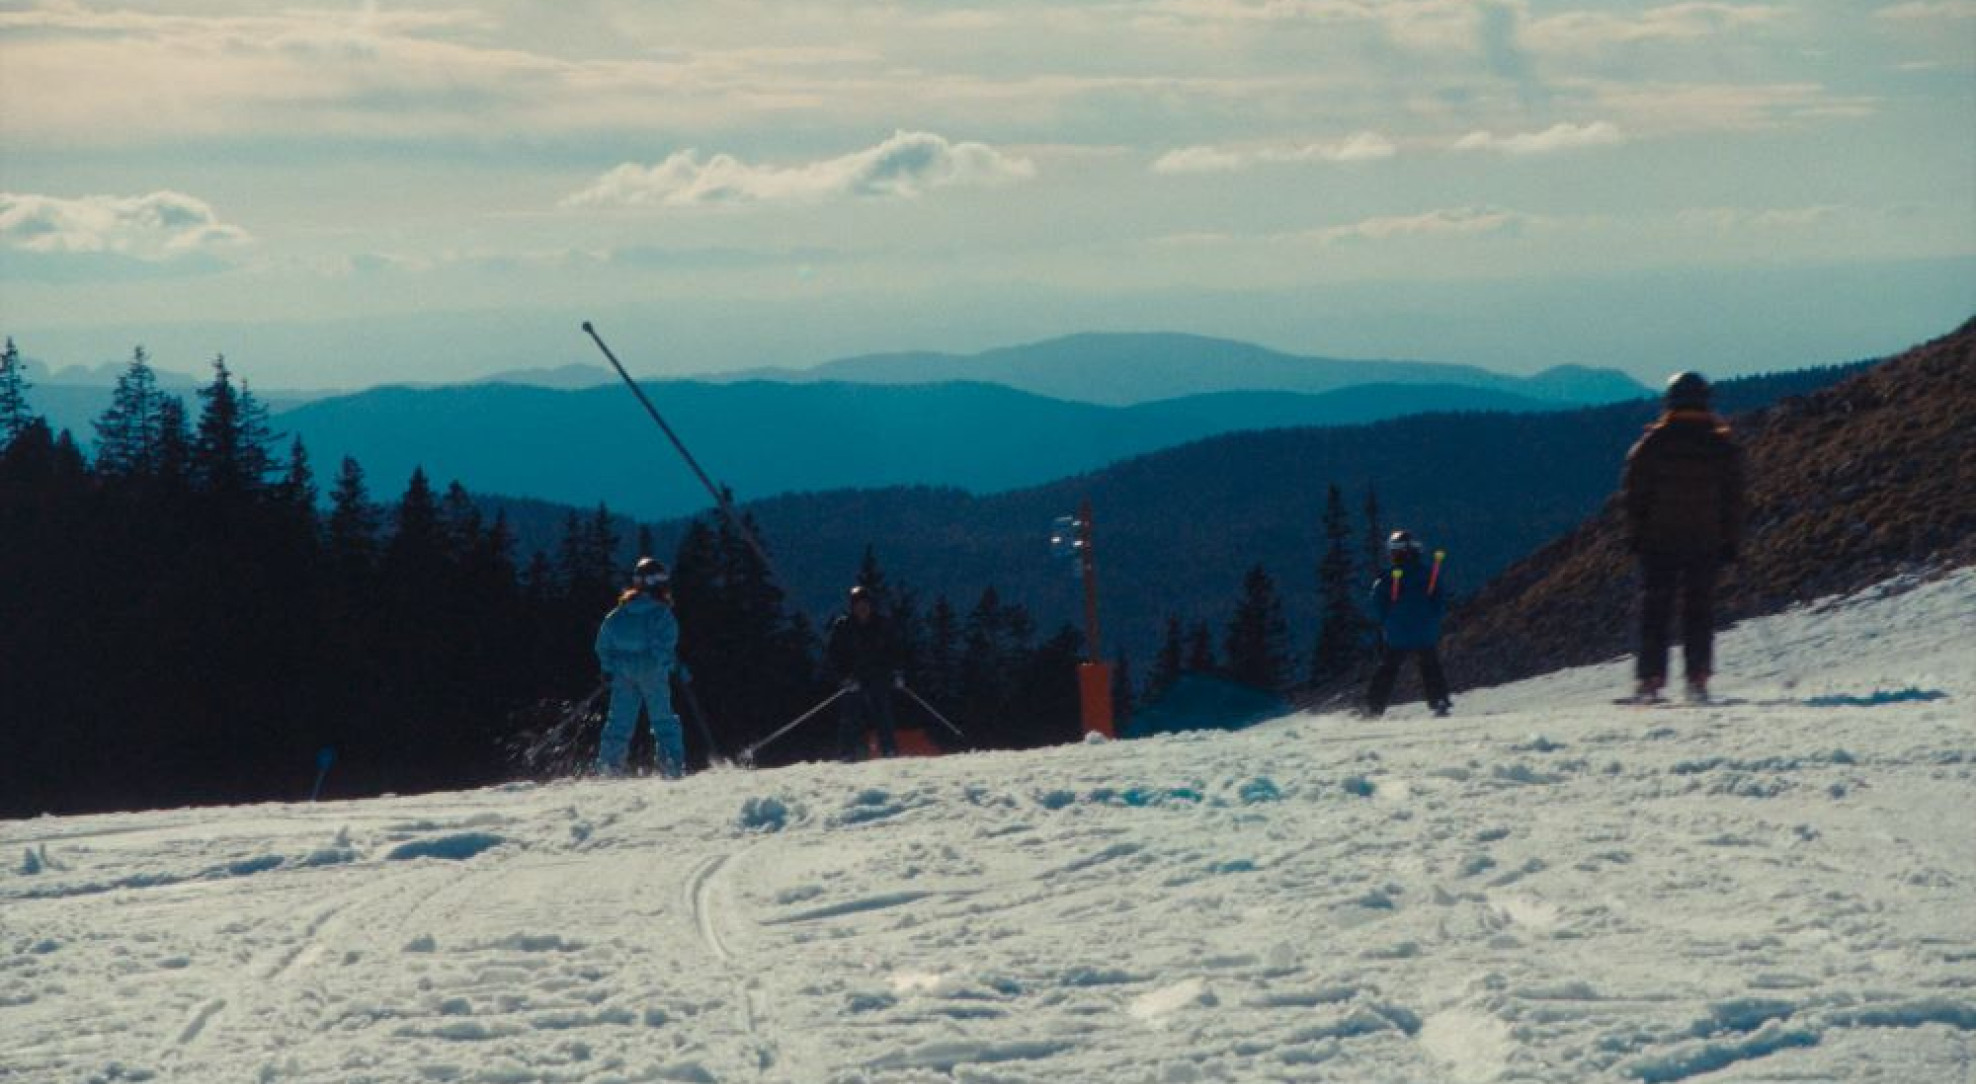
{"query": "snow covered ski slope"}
{"type": "Point", "coordinates": [1544, 888]}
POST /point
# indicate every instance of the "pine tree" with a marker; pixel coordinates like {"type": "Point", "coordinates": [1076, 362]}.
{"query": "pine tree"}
{"type": "Point", "coordinates": [991, 643]}
{"type": "Point", "coordinates": [1167, 665]}
{"type": "Point", "coordinates": [1123, 700]}
{"type": "Point", "coordinates": [417, 548]}
{"type": "Point", "coordinates": [908, 630]}
{"type": "Point", "coordinates": [230, 455]}
{"type": "Point", "coordinates": [297, 489]}
{"type": "Point", "coordinates": [1341, 627]}
{"type": "Point", "coordinates": [174, 461]}
{"type": "Point", "coordinates": [538, 582]}
{"type": "Point", "coordinates": [460, 518]}
{"type": "Point", "coordinates": [872, 578]}
{"type": "Point", "coordinates": [1375, 532]}
{"type": "Point", "coordinates": [130, 433]}
{"type": "Point", "coordinates": [1200, 649]}
{"type": "Point", "coordinates": [753, 662]}
{"type": "Point", "coordinates": [586, 561]}
{"type": "Point", "coordinates": [15, 413]}
{"type": "Point", "coordinates": [1257, 642]}
{"type": "Point", "coordinates": [353, 522]}
{"type": "Point", "coordinates": [295, 502]}
{"type": "Point", "coordinates": [939, 676]}
{"type": "Point", "coordinates": [1044, 703]}
{"type": "Point", "coordinates": [600, 548]}
{"type": "Point", "coordinates": [491, 566]}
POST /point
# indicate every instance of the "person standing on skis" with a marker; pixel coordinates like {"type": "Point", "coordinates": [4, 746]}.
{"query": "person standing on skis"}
{"type": "Point", "coordinates": [1409, 600]}
{"type": "Point", "coordinates": [1682, 491]}
{"type": "Point", "coordinates": [864, 658]}
{"type": "Point", "coordinates": [637, 647]}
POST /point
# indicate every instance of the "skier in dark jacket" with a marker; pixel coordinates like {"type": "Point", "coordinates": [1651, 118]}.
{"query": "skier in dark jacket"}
{"type": "Point", "coordinates": [1683, 496]}
{"type": "Point", "coordinates": [1409, 599]}
{"type": "Point", "coordinates": [864, 658]}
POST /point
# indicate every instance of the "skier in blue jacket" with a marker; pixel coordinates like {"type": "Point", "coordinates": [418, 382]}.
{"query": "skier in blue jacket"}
{"type": "Point", "coordinates": [637, 647]}
{"type": "Point", "coordinates": [1409, 598]}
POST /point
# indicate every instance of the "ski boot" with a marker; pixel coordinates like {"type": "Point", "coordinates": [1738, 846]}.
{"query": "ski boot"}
{"type": "Point", "coordinates": [1645, 691]}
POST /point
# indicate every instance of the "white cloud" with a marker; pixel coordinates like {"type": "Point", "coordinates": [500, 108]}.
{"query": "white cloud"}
{"type": "Point", "coordinates": [1200, 160]}
{"type": "Point", "coordinates": [1580, 31]}
{"type": "Point", "coordinates": [1558, 137]}
{"type": "Point", "coordinates": [1444, 222]}
{"type": "Point", "coordinates": [907, 165]}
{"type": "Point", "coordinates": [1930, 9]}
{"type": "Point", "coordinates": [1360, 147]}
{"type": "Point", "coordinates": [156, 227]}
{"type": "Point", "coordinates": [1723, 219]}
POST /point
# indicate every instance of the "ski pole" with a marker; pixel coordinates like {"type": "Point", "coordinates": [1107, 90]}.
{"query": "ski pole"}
{"type": "Point", "coordinates": [748, 754]}
{"type": "Point", "coordinates": [556, 743]}
{"type": "Point", "coordinates": [700, 718]}
{"type": "Point", "coordinates": [931, 710]}
{"type": "Point", "coordinates": [721, 498]}
{"type": "Point", "coordinates": [324, 760]}
{"type": "Point", "coordinates": [1434, 577]}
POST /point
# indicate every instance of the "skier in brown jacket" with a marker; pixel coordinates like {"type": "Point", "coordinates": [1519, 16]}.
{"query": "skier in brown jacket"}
{"type": "Point", "coordinates": [1683, 496]}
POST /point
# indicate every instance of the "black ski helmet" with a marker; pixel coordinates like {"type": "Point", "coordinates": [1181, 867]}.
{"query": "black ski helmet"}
{"type": "Point", "coordinates": [1688, 391]}
{"type": "Point", "coordinates": [858, 593]}
{"type": "Point", "coordinates": [650, 573]}
{"type": "Point", "coordinates": [1401, 545]}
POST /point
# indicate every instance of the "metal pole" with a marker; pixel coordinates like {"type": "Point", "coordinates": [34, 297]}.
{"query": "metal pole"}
{"type": "Point", "coordinates": [1087, 556]}
{"type": "Point", "coordinates": [720, 496]}
{"type": "Point", "coordinates": [931, 710]}
{"type": "Point", "coordinates": [747, 756]}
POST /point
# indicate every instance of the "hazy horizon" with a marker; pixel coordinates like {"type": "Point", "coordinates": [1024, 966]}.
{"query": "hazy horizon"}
{"type": "Point", "coordinates": [341, 196]}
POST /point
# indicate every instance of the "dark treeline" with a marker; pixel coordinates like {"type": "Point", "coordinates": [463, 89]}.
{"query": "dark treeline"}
{"type": "Point", "coordinates": [192, 616]}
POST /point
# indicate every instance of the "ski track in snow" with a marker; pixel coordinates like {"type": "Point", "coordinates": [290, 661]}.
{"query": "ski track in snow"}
{"type": "Point", "coordinates": [1546, 888]}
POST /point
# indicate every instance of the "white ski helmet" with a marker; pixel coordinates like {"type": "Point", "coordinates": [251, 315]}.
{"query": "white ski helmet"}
{"type": "Point", "coordinates": [650, 574]}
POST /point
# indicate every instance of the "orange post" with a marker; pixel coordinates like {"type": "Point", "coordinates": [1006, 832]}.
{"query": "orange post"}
{"type": "Point", "coordinates": [1094, 692]}
{"type": "Point", "coordinates": [1093, 674]}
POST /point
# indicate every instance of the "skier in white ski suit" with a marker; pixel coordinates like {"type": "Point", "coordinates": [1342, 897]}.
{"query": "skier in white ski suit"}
{"type": "Point", "coordinates": [637, 648]}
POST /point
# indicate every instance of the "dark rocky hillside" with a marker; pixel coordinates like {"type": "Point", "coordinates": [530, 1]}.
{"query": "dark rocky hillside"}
{"type": "Point", "coordinates": [1848, 487]}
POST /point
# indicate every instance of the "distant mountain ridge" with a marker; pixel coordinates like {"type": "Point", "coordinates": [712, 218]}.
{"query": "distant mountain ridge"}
{"type": "Point", "coordinates": [1178, 527]}
{"type": "Point", "coordinates": [1125, 368]}
{"type": "Point", "coordinates": [592, 445]}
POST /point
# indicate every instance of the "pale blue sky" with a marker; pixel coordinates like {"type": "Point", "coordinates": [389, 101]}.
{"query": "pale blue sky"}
{"type": "Point", "coordinates": [336, 195]}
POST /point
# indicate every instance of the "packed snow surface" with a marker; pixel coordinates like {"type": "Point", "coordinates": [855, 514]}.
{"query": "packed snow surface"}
{"type": "Point", "coordinates": [1546, 887]}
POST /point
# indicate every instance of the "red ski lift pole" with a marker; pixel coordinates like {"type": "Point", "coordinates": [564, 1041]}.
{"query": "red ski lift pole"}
{"type": "Point", "coordinates": [721, 499]}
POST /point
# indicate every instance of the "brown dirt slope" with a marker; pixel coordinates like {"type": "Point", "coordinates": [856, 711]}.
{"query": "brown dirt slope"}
{"type": "Point", "coordinates": [1848, 487]}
